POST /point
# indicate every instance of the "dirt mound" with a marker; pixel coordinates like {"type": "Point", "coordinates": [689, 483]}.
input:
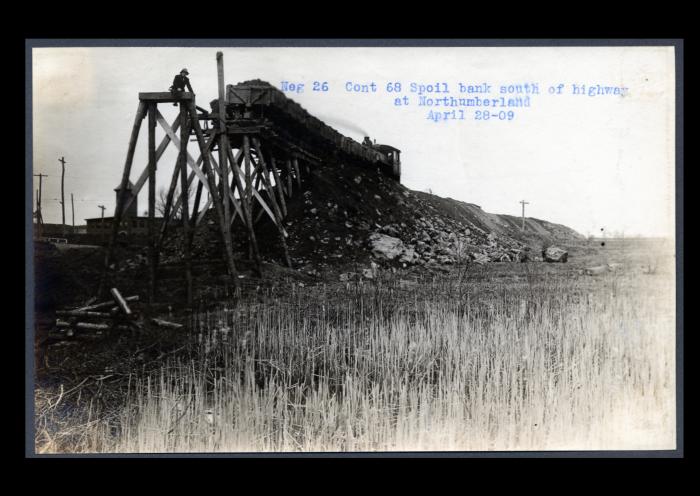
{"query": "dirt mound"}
{"type": "Point", "coordinates": [335, 219]}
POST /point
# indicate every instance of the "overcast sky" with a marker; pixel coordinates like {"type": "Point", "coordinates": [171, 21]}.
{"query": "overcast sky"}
{"type": "Point", "coordinates": [586, 162]}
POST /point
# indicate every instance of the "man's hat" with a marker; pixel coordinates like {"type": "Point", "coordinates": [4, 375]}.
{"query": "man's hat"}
{"type": "Point", "coordinates": [185, 71]}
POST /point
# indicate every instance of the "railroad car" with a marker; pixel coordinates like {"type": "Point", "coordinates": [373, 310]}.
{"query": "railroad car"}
{"type": "Point", "coordinates": [258, 102]}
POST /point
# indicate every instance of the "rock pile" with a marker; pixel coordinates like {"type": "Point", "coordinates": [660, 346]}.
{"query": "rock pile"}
{"type": "Point", "coordinates": [434, 241]}
{"type": "Point", "coordinates": [554, 254]}
{"type": "Point", "coordinates": [348, 215]}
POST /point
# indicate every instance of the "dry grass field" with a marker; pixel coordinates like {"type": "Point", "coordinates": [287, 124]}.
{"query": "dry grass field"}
{"type": "Point", "coordinates": [506, 356]}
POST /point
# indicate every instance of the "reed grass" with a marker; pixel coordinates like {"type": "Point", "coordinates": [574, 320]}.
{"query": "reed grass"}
{"type": "Point", "coordinates": [523, 359]}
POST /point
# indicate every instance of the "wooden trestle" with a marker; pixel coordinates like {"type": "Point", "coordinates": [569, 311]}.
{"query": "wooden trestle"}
{"type": "Point", "coordinates": [256, 170]}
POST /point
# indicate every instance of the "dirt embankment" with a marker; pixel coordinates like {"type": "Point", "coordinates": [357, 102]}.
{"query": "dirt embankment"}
{"type": "Point", "coordinates": [345, 219]}
{"type": "Point", "coordinates": [348, 216]}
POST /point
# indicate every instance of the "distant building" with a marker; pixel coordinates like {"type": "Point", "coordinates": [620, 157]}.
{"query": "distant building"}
{"type": "Point", "coordinates": [53, 230]}
{"type": "Point", "coordinates": [132, 225]}
{"type": "Point", "coordinates": [132, 210]}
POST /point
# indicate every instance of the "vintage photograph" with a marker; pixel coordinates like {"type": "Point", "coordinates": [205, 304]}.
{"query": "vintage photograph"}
{"type": "Point", "coordinates": [352, 248]}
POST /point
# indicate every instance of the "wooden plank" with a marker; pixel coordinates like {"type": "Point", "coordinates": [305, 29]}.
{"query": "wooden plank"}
{"type": "Point", "coordinates": [195, 211]}
{"type": "Point", "coordinates": [119, 209]}
{"type": "Point", "coordinates": [190, 179]}
{"type": "Point", "coordinates": [298, 173]}
{"type": "Point", "coordinates": [275, 207]}
{"type": "Point", "coordinates": [83, 325]}
{"type": "Point", "coordinates": [190, 161]}
{"type": "Point", "coordinates": [278, 186]}
{"type": "Point", "coordinates": [225, 228]}
{"type": "Point", "coordinates": [237, 206]}
{"type": "Point", "coordinates": [263, 204]}
{"type": "Point", "coordinates": [105, 304]}
{"type": "Point", "coordinates": [159, 152]}
{"type": "Point", "coordinates": [255, 194]}
{"type": "Point", "coordinates": [185, 217]}
{"type": "Point", "coordinates": [288, 166]}
{"type": "Point", "coordinates": [264, 174]}
{"type": "Point", "coordinates": [152, 262]}
{"type": "Point", "coordinates": [248, 182]}
{"type": "Point", "coordinates": [120, 301]}
{"type": "Point", "coordinates": [233, 185]}
{"type": "Point", "coordinates": [204, 211]}
{"type": "Point", "coordinates": [165, 323]}
{"type": "Point", "coordinates": [165, 97]}
{"type": "Point", "coordinates": [246, 214]}
{"type": "Point", "coordinates": [236, 129]}
{"type": "Point", "coordinates": [168, 204]}
{"type": "Point", "coordinates": [196, 171]}
{"type": "Point", "coordinates": [76, 313]}
{"type": "Point", "coordinates": [226, 194]}
{"type": "Point", "coordinates": [248, 179]}
{"type": "Point", "coordinates": [221, 181]}
{"type": "Point", "coordinates": [256, 176]}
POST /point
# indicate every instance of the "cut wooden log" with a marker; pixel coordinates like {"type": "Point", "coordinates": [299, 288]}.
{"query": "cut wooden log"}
{"type": "Point", "coordinates": [165, 323]}
{"type": "Point", "coordinates": [83, 325]}
{"type": "Point", "coordinates": [105, 304]}
{"type": "Point", "coordinates": [89, 326]}
{"type": "Point", "coordinates": [79, 313]}
{"type": "Point", "coordinates": [119, 299]}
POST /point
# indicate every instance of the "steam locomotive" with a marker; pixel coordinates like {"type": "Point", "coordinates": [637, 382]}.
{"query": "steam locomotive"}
{"type": "Point", "coordinates": [259, 103]}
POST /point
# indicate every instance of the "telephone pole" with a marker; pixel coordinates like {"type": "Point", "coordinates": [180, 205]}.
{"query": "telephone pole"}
{"type": "Point", "coordinates": [72, 208]}
{"type": "Point", "coordinates": [102, 207]}
{"type": "Point", "coordinates": [40, 218]}
{"type": "Point", "coordinates": [523, 202]}
{"type": "Point", "coordinates": [63, 203]}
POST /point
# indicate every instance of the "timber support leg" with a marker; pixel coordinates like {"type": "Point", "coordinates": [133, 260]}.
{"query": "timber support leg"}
{"type": "Point", "coordinates": [121, 199]}
{"type": "Point", "coordinates": [278, 186]}
{"type": "Point", "coordinates": [184, 189]}
{"type": "Point", "coordinates": [218, 204]}
{"type": "Point", "coordinates": [275, 208]}
{"type": "Point", "coordinates": [298, 172]}
{"type": "Point", "coordinates": [288, 166]}
{"type": "Point", "coordinates": [248, 216]}
{"type": "Point", "coordinates": [152, 262]}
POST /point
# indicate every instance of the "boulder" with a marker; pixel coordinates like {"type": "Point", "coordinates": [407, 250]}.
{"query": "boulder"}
{"type": "Point", "coordinates": [386, 247]}
{"type": "Point", "coordinates": [554, 254]}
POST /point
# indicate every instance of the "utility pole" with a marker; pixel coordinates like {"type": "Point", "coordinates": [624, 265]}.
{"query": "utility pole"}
{"type": "Point", "coordinates": [523, 202]}
{"type": "Point", "coordinates": [63, 203]}
{"type": "Point", "coordinates": [40, 218]}
{"type": "Point", "coordinates": [72, 208]}
{"type": "Point", "coordinates": [102, 207]}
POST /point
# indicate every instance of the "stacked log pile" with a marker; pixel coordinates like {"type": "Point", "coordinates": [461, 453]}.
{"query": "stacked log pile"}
{"type": "Point", "coordinates": [114, 314]}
